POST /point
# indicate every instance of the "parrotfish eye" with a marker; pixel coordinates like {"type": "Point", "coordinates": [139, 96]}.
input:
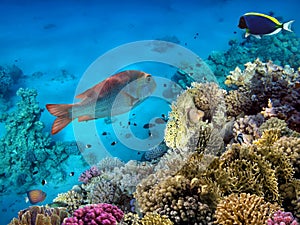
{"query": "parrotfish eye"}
{"type": "Point", "coordinates": [149, 77]}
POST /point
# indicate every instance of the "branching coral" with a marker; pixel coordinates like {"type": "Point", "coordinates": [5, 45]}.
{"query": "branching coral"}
{"type": "Point", "coordinates": [40, 215]}
{"type": "Point", "coordinates": [87, 175]}
{"type": "Point", "coordinates": [244, 209]}
{"type": "Point", "coordinates": [248, 172]}
{"type": "Point", "coordinates": [155, 219]}
{"type": "Point", "coordinates": [73, 199]}
{"type": "Point", "coordinates": [176, 197]}
{"type": "Point", "coordinates": [237, 102]}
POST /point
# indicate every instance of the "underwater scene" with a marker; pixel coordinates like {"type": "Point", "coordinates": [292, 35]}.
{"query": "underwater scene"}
{"type": "Point", "coordinates": [149, 112]}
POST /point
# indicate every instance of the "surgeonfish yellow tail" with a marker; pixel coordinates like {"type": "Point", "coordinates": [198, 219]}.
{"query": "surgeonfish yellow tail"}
{"type": "Point", "coordinates": [61, 111]}
{"type": "Point", "coordinates": [288, 26]}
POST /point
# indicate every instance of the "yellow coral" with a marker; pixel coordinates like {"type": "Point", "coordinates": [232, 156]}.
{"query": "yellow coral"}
{"type": "Point", "coordinates": [155, 219]}
{"type": "Point", "coordinates": [244, 209]}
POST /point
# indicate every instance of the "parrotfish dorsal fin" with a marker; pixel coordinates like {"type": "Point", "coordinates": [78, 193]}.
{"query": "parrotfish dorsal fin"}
{"type": "Point", "coordinates": [88, 93]}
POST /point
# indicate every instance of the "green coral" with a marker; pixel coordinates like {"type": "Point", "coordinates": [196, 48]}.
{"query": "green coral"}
{"type": "Point", "coordinates": [28, 154]}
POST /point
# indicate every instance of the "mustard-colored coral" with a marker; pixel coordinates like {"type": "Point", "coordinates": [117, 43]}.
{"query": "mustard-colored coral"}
{"type": "Point", "coordinates": [155, 219]}
{"type": "Point", "coordinates": [244, 209]}
{"type": "Point", "coordinates": [72, 198]}
{"type": "Point", "coordinates": [40, 215]}
{"type": "Point", "coordinates": [249, 172]}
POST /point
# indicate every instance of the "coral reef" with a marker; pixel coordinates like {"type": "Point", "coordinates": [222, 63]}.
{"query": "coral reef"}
{"type": "Point", "coordinates": [283, 49]}
{"type": "Point", "coordinates": [87, 175]}
{"type": "Point", "coordinates": [282, 218]}
{"type": "Point", "coordinates": [9, 75]}
{"type": "Point", "coordinates": [28, 154]}
{"type": "Point", "coordinates": [40, 215]}
{"type": "Point", "coordinates": [243, 209]}
{"type": "Point", "coordinates": [271, 88]}
{"type": "Point", "coordinates": [102, 214]}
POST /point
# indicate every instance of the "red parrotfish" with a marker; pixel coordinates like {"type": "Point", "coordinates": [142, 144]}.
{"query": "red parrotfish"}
{"type": "Point", "coordinates": [113, 96]}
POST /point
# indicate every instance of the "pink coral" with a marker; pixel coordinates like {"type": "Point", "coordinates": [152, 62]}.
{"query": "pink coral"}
{"type": "Point", "coordinates": [282, 218]}
{"type": "Point", "coordinates": [102, 214]}
{"type": "Point", "coordinates": [87, 175]}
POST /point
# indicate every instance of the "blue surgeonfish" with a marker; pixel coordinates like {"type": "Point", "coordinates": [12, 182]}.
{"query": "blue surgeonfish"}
{"type": "Point", "coordinates": [258, 24]}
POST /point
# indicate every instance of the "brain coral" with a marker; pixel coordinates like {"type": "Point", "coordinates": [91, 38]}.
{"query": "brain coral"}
{"type": "Point", "coordinates": [244, 209]}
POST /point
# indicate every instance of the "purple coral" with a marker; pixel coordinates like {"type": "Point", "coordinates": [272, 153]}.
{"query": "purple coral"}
{"type": "Point", "coordinates": [102, 214]}
{"type": "Point", "coordinates": [282, 218]}
{"type": "Point", "coordinates": [87, 175]}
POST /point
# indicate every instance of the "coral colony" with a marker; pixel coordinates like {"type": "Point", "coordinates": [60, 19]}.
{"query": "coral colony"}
{"type": "Point", "coordinates": [231, 154]}
{"type": "Point", "coordinates": [229, 157]}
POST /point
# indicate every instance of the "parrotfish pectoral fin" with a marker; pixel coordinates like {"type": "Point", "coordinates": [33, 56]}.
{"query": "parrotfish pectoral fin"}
{"type": "Point", "coordinates": [288, 26]}
{"type": "Point", "coordinates": [85, 118]}
{"type": "Point", "coordinates": [132, 100]}
{"type": "Point", "coordinates": [63, 116]}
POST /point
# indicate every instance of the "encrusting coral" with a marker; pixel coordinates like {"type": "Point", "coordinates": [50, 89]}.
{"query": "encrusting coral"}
{"type": "Point", "coordinates": [244, 209]}
{"type": "Point", "coordinates": [40, 215]}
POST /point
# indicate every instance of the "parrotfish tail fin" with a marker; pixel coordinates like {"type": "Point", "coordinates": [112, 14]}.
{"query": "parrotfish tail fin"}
{"type": "Point", "coordinates": [288, 26]}
{"type": "Point", "coordinates": [63, 116]}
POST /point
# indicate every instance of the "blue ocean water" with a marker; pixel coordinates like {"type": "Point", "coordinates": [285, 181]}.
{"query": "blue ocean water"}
{"type": "Point", "coordinates": [55, 42]}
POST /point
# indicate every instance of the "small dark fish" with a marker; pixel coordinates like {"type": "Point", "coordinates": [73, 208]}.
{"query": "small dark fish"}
{"type": "Point", "coordinates": [36, 196]}
{"type": "Point", "coordinates": [35, 172]}
{"type": "Point", "coordinates": [148, 125]}
{"type": "Point", "coordinates": [160, 121]}
{"type": "Point", "coordinates": [258, 24]}
{"type": "Point", "coordinates": [88, 146]}
{"type": "Point", "coordinates": [57, 204]}
{"type": "Point", "coordinates": [44, 182]}
{"type": "Point", "coordinates": [104, 133]}
{"type": "Point", "coordinates": [134, 124]}
{"type": "Point", "coordinates": [240, 138]}
{"type": "Point", "coordinates": [128, 122]}
{"type": "Point", "coordinates": [72, 174]}
{"type": "Point", "coordinates": [113, 143]}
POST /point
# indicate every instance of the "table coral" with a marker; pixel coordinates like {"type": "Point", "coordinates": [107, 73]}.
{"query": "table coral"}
{"type": "Point", "coordinates": [102, 214]}
{"type": "Point", "coordinates": [244, 209]}
{"type": "Point", "coordinates": [40, 215]}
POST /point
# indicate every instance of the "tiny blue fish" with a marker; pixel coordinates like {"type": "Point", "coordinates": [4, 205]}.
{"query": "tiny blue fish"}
{"type": "Point", "coordinates": [258, 24]}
